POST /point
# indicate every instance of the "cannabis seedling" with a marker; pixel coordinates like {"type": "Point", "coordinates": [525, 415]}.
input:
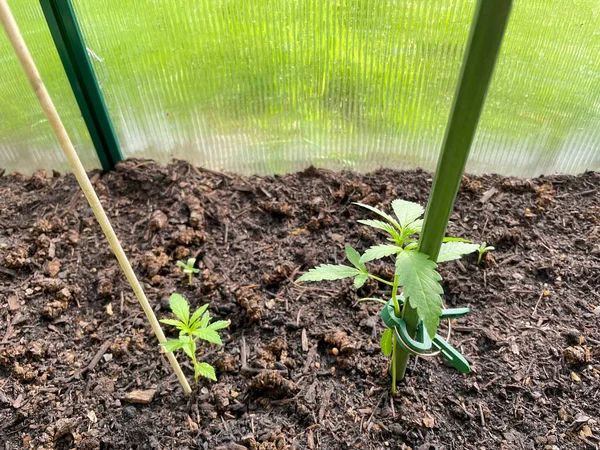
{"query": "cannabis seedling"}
{"type": "Point", "coordinates": [415, 273]}
{"type": "Point", "coordinates": [189, 268]}
{"type": "Point", "coordinates": [191, 329]}
{"type": "Point", "coordinates": [483, 249]}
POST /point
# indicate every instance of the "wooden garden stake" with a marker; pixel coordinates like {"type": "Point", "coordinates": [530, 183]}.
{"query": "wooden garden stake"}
{"type": "Point", "coordinates": [26, 60]}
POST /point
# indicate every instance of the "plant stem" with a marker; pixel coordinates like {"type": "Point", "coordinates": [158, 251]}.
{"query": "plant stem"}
{"type": "Point", "coordinates": [381, 280]}
{"type": "Point", "coordinates": [393, 366]}
{"type": "Point", "coordinates": [395, 296]}
{"type": "Point", "coordinates": [399, 355]}
{"type": "Point", "coordinates": [190, 278]}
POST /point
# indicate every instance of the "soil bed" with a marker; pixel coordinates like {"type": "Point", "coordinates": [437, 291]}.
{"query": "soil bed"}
{"type": "Point", "coordinates": [301, 367]}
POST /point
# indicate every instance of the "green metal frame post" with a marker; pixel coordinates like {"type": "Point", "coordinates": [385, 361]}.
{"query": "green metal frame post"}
{"type": "Point", "coordinates": [71, 47]}
{"type": "Point", "coordinates": [485, 39]}
{"type": "Point", "coordinates": [483, 46]}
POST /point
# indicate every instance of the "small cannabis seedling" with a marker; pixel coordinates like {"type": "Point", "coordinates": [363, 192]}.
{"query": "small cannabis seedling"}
{"type": "Point", "coordinates": [415, 273]}
{"type": "Point", "coordinates": [483, 249]}
{"type": "Point", "coordinates": [191, 329]}
{"type": "Point", "coordinates": [189, 268]}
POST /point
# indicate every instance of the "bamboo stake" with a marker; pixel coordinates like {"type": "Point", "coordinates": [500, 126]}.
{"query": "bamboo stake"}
{"type": "Point", "coordinates": [16, 39]}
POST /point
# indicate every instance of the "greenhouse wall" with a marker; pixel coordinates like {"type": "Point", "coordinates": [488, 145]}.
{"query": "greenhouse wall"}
{"type": "Point", "coordinates": [277, 85]}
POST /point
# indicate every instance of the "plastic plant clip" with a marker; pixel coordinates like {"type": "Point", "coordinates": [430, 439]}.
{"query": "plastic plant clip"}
{"type": "Point", "coordinates": [422, 343]}
{"type": "Point", "coordinates": [454, 313]}
{"type": "Point", "coordinates": [450, 354]}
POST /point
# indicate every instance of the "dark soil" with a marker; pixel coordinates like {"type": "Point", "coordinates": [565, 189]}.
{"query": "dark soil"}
{"type": "Point", "coordinates": [74, 343]}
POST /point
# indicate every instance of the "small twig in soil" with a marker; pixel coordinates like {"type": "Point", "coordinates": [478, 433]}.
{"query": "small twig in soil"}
{"type": "Point", "coordinates": [508, 259]}
{"type": "Point", "coordinates": [213, 172]}
{"type": "Point", "coordinates": [298, 316]}
{"type": "Point", "coordinates": [376, 406]}
{"type": "Point", "coordinates": [244, 361]}
{"type": "Point", "coordinates": [9, 272]}
{"type": "Point", "coordinates": [309, 358]}
{"type": "Point", "coordinates": [484, 226]}
{"type": "Point", "coordinates": [96, 359]}
{"type": "Point", "coordinates": [9, 330]}
{"type": "Point", "coordinates": [489, 383]}
{"type": "Point", "coordinates": [481, 416]}
{"type": "Point", "coordinates": [537, 304]}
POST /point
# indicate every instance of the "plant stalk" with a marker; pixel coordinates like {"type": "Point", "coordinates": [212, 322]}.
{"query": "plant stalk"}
{"type": "Point", "coordinates": [485, 37]}
{"type": "Point", "coordinates": [381, 280]}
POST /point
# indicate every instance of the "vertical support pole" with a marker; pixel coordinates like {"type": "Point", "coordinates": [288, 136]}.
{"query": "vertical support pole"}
{"type": "Point", "coordinates": [73, 54]}
{"type": "Point", "coordinates": [485, 38]}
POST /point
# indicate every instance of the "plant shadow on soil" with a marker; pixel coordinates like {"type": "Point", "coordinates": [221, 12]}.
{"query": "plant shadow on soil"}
{"type": "Point", "coordinates": [301, 367]}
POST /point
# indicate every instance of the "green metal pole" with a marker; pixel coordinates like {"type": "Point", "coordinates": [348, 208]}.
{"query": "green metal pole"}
{"type": "Point", "coordinates": [487, 29]}
{"type": "Point", "coordinates": [73, 54]}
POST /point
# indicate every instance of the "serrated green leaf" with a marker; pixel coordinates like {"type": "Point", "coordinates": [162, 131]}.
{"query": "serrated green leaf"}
{"type": "Point", "coordinates": [219, 324]}
{"type": "Point", "coordinates": [455, 239]}
{"type": "Point", "coordinates": [379, 251]}
{"type": "Point", "coordinates": [454, 250]}
{"type": "Point", "coordinates": [380, 225]}
{"type": "Point", "coordinates": [194, 321]}
{"type": "Point", "coordinates": [190, 347]}
{"type": "Point", "coordinates": [205, 319]}
{"type": "Point", "coordinates": [172, 345]}
{"type": "Point", "coordinates": [387, 342]}
{"type": "Point", "coordinates": [360, 280]}
{"type": "Point", "coordinates": [180, 307]}
{"type": "Point", "coordinates": [413, 227]}
{"type": "Point", "coordinates": [380, 213]}
{"type": "Point", "coordinates": [354, 258]}
{"type": "Point", "coordinates": [420, 285]}
{"type": "Point", "coordinates": [205, 370]}
{"type": "Point", "coordinates": [191, 262]}
{"type": "Point", "coordinates": [407, 212]}
{"type": "Point", "coordinates": [329, 272]}
{"type": "Point", "coordinates": [174, 323]}
{"type": "Point", "coordinates": [208, 335]}
{"type": "Point", "coordinates": [411, 246]}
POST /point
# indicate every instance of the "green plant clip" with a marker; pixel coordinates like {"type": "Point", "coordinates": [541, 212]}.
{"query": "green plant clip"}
{"type": "Point", "coordinates": [454, 313]}
{"type": "Point", "coordinates": [450, 354]}
{"type": "Point", "coordinates": [422, 343]}
{"type": "Point", "coordinates": [389, 316]}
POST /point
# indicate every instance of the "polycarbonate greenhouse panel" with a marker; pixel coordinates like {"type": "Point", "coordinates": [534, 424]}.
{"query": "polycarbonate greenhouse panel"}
{"type": "Point", "coordinates": [27, 142]}
{"type": "Point", "coordinates": [272, 86]}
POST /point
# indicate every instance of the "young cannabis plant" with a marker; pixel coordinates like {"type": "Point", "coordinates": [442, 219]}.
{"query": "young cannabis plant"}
{"type": "Point", "coordinates": [415, 273]}
{"type": "Point", "coordinates": [189, 268]}
{"type": "Point", "coordinates": [483, 249]}
{"type": "Point", "coordinates": [191, 329]}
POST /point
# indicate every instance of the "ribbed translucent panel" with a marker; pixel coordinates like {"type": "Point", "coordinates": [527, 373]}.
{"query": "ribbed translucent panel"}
{"type": "Point", "coordinates": [27, 142]}
{"type": "Point", "coordinates": [271, 86]}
